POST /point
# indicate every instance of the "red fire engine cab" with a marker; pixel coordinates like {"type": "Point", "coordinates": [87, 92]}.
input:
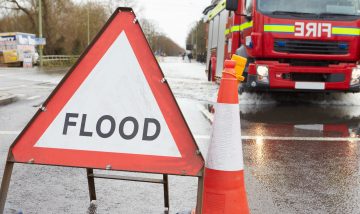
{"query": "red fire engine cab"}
{"type": "Point", "coordinates": [291, 45]}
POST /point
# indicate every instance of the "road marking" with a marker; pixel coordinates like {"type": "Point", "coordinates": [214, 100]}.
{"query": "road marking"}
{"type": "Point", "coordinates": [289, 138]}
{"type": "Point", "coordinates": [11, 74]}
{"type": "Point", "coordinates": [210, 117]}
{"type": "Point", "coordinates": [206, 113]}
{"type": "Point", "coordinates": [33, 97]}
{"type": "Point", "coordinates": [207, 137]}
{"type": "Point", "coordinates": [202, 136]}
{"type": "Point", "coordinates": [42, 87]}
{"type": "Point", "coordinates": [12, 87]}
{"type": "Point", "coordinates": [9, 132]}
{"type": "Point", "coordinates": [15, 72]}
{"type": "Point", "coordinates": [27, 86]}
{"type": "Point", "coordinates": [20, 95]}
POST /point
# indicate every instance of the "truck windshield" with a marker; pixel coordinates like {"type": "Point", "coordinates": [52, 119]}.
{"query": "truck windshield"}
{"type": "Point", "coordinates": [306, 7]}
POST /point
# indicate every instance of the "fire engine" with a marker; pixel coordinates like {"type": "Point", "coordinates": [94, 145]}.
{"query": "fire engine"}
{"type": "Point", "coordinates": [291, 45]}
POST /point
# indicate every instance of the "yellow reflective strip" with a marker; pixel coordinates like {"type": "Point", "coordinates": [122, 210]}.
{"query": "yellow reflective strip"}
{"type": "Point", "coordinates": [235, 28]}
{"type": "Point", "coordinates": [346, 31]}
{"type": "Point", "coordinates": [227, 31]}
{"type": "Point", "coordinates": [246, 25]}
{"type": "Point", "coordinates": [242, 27]}
{"type": "Point", "coordinates": [279, 28]}
{"type": "Point", "coordinates": [217, 9]}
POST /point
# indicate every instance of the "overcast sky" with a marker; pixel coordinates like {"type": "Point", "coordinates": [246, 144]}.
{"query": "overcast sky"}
{"type": "Point", "coordinates": [174, 17]}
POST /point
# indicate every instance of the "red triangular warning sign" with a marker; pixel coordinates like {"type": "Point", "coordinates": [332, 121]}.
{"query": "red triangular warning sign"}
{"type": "Point", "coordinates": [112, 109]}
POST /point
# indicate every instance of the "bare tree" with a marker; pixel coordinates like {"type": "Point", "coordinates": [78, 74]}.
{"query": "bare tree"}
{"type": "Point", "coordinates": [151, 32]}
{"type": "Point", "coordinates": [25, 6]}
{"type": "Point", "coordinates": [197, 38]}
{"type": "Point", "coordinates": [65, 23]}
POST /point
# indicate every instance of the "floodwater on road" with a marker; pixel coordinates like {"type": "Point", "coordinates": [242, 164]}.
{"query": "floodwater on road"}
{"type": "Point", "coordinates": [302, 152]}
{"type": "Point", "coordinates": [307, 157]}
{"type": "Point", "coordinates": [301, 157]}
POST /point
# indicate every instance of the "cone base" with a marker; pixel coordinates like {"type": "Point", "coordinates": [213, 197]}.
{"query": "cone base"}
{"type": "Point", "coordinates": [224, 192]}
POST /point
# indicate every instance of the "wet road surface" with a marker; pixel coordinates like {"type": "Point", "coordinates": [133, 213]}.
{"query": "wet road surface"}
{"type": "Point", "coordinates": [300, 157]}
{"type": "Point", "coordinates": [306, 157]}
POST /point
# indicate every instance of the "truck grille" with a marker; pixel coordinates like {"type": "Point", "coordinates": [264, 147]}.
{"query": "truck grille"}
{"type": "Point", "coordinates": [314, 77]}
{"type": "Point", "coordinates": [311, 47]}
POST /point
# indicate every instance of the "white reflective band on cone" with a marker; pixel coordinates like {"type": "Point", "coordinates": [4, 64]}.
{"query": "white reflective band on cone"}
{"type": "Point", "coordinates": [225, 150]}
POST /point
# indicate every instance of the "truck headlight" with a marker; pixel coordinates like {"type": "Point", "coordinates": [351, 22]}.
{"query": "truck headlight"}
{"type": "Point", "coordinates": [262, 73]}
{"type": "Point", "coordinates": [262, 70]}
{"type": "Point", "coordinates": [355, 75]}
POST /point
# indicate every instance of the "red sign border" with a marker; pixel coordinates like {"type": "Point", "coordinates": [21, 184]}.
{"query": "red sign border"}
{"type": "Point", "coordinates": [191, 163]}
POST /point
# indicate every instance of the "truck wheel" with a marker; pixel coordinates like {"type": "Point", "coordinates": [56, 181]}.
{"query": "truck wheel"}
{"type": "Point", "coordinates": [209, 73]}
{"type": "Point", "coordinates": [245, 74]}
{"type": "Point", "coordinates": [241, 51]}
{"type": "Point", "coordinates": [244, 86]}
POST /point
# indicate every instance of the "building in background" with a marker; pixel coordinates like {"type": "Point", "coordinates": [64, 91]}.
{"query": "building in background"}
{"type": "Point", "coordinates": [14, 46]}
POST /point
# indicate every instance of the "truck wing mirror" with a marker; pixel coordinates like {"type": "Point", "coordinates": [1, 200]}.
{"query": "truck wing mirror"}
{"type": "Point", "coordinates": [248, 17]}
{"type": "Point", "coordinates": [232, 5]}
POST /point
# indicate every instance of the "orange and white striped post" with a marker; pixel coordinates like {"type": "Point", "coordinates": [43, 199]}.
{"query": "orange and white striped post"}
{"type": "Point", "coordinates": [224, 185]}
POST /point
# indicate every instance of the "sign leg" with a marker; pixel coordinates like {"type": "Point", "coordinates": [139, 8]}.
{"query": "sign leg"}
{"type": "Point", "coordinates": [166, 193]}
{"type": "Point", "coordinates": [5, 184]}
{"type": "Point", "coordinates": [200, 195]}
{"type": "Point", "coordinates": [91, 184]}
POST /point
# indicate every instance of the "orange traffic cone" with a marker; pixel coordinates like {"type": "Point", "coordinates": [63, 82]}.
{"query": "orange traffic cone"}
{"type": "Point", "coordinates": [224, 185]}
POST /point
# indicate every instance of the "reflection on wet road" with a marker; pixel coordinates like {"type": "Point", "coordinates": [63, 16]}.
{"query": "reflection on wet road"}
{"type": "Point", "coordinates": [310, 177]}
{"type": "Point", "coordinates": [305, 157]}
{"type": "Point", "coordinates": [301, 121]}
{"type": "Point", "coordinates": [307, 176]}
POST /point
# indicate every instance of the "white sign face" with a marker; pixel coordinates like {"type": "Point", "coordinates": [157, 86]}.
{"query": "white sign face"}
{"type": "Point", "coordinates": [114, 110]}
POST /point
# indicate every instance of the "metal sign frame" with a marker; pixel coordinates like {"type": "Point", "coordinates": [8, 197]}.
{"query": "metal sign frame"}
{"type": "Point", "coordinates": [5, 184]}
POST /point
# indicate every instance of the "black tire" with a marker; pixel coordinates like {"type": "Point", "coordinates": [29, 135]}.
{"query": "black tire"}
{"type": "Point", "coordinates": [209, 72]}
{"type": "Point", "coordinates": [241, 51]}
{"type": "Point", "coordinates": [245, 74]}
{"type": "Point", "coordinates": [244, 86]}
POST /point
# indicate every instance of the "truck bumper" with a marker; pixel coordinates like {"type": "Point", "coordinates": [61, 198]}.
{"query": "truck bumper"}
{"type": "Point", "coordinates": [284, 77]}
